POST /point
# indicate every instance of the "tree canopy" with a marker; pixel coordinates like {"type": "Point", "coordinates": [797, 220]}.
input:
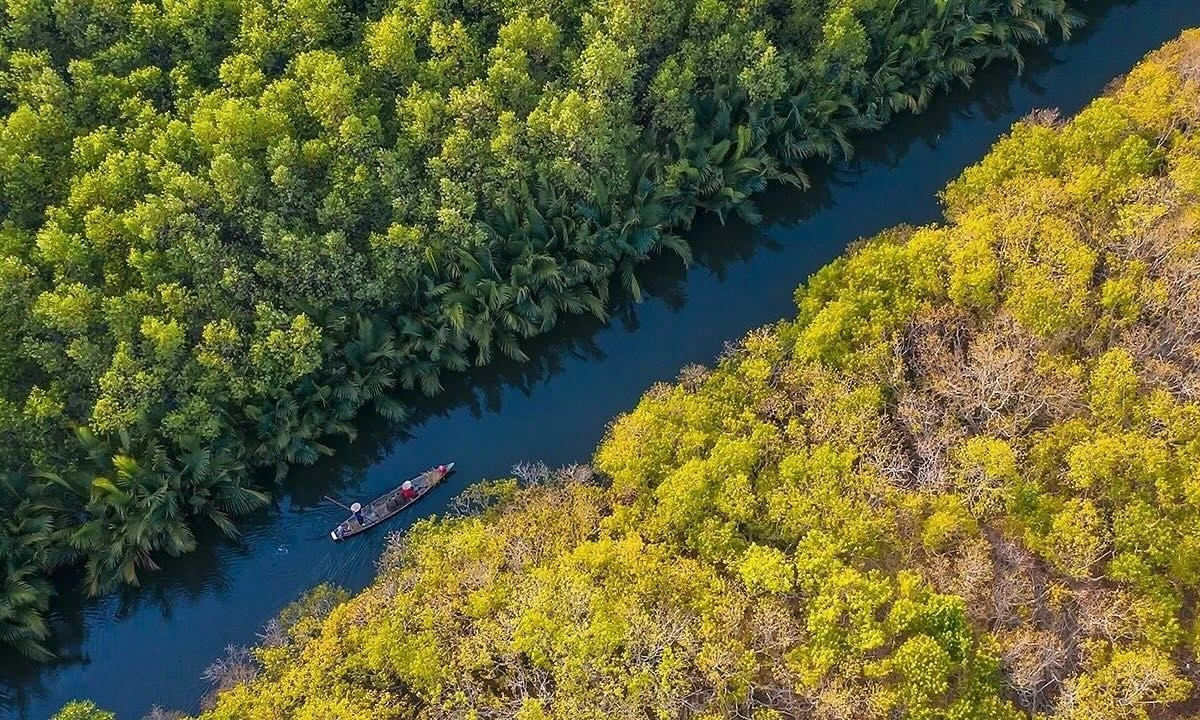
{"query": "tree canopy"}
{"type": "Point", "coordinates": [961, 483]}
{"type": "Point", "coordinates": [228, 225]}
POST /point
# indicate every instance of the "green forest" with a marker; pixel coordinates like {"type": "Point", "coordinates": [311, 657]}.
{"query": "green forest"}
{"type": "Point", "coordinates": [227, 226]}
{"type": "Point", "coordinates": [962, 483]}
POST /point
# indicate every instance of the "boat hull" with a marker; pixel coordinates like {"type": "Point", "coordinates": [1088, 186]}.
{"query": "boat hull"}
{"type": "Point", "coordinates": [387, 506]}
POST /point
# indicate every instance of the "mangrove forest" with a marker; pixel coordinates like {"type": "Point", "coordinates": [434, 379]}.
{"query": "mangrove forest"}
{"type": "Point", "coordinates": [962, 483]}
{"type": "Point", "coordinates": [229, 226]}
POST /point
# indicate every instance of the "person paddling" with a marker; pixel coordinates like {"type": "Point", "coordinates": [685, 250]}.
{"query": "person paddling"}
{"type": "Point", "coordinates": [407, 491]}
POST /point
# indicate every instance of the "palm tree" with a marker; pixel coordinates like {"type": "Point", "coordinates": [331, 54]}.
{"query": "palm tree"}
{"type": "Point", "coordinates": [372, 357]}
{"type": "Point", "coordinates": [24, 591]}
{"type": "Point", "coordinates": [213, 479]}
{"type": "Point", "coordinates": [630, 222]}
{"type": "Point", "coordinates": [24, 598]}
{"type": "Point", "coordinates": [131, 509]}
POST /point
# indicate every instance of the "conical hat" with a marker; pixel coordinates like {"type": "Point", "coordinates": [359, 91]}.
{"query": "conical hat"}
{"type": "Point", "coordinates": [407, 485]}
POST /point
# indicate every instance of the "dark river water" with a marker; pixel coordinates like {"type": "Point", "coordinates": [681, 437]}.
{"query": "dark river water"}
{"type": "Point", "coordinates": [151, 646]}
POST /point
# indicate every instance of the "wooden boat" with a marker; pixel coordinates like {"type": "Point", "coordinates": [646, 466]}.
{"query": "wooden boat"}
{"type": "Point", "coordinates": [386, 506]}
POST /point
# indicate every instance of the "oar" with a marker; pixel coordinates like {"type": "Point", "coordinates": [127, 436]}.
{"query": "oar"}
{"type": "Point", "coordinates": [335, 502]}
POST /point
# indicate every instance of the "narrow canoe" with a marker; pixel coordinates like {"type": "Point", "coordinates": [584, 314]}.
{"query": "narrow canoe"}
{"type": "Point", "coordinates": [386, 506]}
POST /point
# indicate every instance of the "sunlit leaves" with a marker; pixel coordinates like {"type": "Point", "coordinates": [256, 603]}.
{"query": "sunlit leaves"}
{"type": "Point", "coordinates": [83, 710]}
{"type": "Point", "coordinates": [228, 225]}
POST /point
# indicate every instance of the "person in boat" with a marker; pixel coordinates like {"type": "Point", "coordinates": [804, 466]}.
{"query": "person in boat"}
{"type": "Point", "coordinates": [407, 491]}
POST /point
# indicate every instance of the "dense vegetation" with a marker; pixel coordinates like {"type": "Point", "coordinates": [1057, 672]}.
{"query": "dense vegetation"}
{"type": "Point", "coordinates": [228, 225]}
{"type": "Point", "coordinates": [963, 483]}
